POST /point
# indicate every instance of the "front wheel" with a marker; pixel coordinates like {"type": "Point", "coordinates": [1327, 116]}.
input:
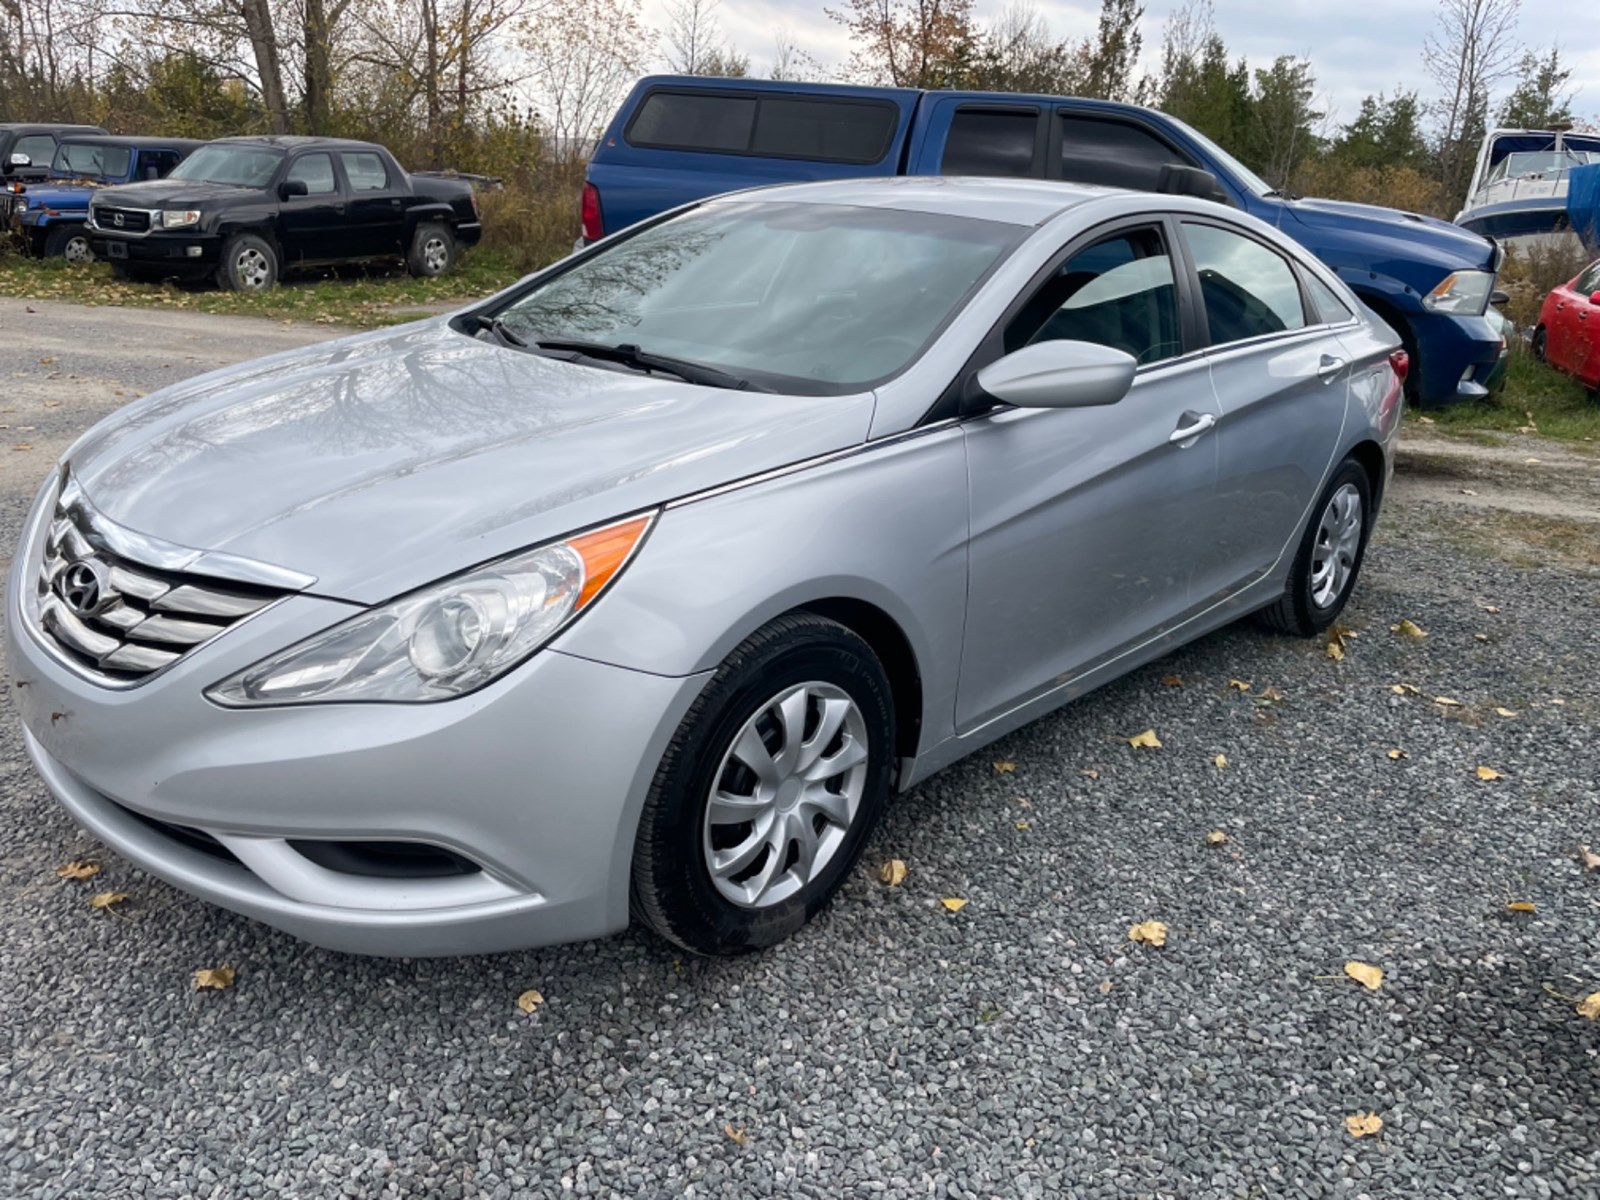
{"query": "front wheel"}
{"type": "Point", "coordinates": [769, 790]}
{"type": "Point", "coordinates": [1329, 560]}
{"type": "Point", "coordinates": [69, 243]}
{"type": "Point", "coordinates": [249, 264]}
{"type": "Point", "coordinates": [1539, 344]}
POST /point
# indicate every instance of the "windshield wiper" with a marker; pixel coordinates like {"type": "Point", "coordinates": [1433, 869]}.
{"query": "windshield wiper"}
{"type": "Point", "coordinates": [630, 355]}
{"type": "Point", "coordinates": [502, 332]}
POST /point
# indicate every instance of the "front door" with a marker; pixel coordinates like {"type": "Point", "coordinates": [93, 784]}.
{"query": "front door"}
{"type": "Point", "coordinates": [1084, 521]}
{"type": "Point", "coordinates": [1283, 380]}
{"type": "Point", "coordinates": [377, 212]}
{"type": "Point", "coordinates": [312, 226]}
{"type": "Point", "coordinates": [1582, 352]}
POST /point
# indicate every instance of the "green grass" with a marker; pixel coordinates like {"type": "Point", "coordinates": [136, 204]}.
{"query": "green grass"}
{"type": "Point", "coordinates": [1558, 406]}
{"type": "Point", "coordinates": [363, 296]}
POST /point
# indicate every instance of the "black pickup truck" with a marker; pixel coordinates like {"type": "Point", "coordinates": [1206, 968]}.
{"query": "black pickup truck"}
{"type": "Point", "coordinates": [244, 208]}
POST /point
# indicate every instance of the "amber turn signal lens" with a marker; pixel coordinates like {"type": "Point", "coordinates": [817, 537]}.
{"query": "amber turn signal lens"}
{"type": "Point", "coordinates": [605, 550]}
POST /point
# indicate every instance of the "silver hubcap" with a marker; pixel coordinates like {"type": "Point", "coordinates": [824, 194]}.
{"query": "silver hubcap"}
{"type": "Point", "coordinates": [1338, 542]}
{"type": "Point", "coordinates": [77, 251]}
{"type": "Point", "coordinates": [785, 795]}
{"type": "Point", "coordinates": [255, 272]}
{"type": "Point", "coordinates": [434, 255]}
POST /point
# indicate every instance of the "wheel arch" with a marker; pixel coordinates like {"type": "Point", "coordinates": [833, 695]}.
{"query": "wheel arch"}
{"type": "Point", "coordinates": [1371, 459]}
{"type": "Point", "coordinates": [893, 648]}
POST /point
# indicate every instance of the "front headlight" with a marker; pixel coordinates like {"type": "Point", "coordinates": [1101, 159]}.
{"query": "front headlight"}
{"type": "Point", "coordinates": [172, 218]}
{"type": "Point", "coordinates": [448, 638]}
{"type": "Point", "coordinates": [1463, 294]}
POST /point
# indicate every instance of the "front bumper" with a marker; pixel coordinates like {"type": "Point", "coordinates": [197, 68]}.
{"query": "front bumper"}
{"type": "Point", "coordinates": [537, 780]}
{"type": "Point", "coordinates": [1459, 356]}
{"type": "Point", "coordinates": [178, 251]}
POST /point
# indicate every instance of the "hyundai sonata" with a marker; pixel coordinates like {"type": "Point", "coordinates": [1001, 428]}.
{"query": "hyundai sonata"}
{"type": "Point", "coordinates": [642, 585]}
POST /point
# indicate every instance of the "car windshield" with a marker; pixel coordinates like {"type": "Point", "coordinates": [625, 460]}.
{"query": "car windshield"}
{"type": "Point", "coordinates": [242, 166]}
{"type": "Point", "coordinates": [812, 299]}
{"type": "Point", "coordinates": [1242, 174]}
{"type": "Point", "coordinates": [90, 160]}
{"type": "Point", "coordinates": [1540, 162]}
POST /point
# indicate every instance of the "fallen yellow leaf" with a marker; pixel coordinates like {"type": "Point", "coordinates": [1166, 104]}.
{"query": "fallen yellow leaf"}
{"type": "Point", "coordinates": [1397, 754]}
{"type": "Point", "coordinates": [1446, 702]}
{"type": "Point", "coordinates": [892, 872]}
{"type": "Point", "coordinates": [1405, 689]}
{"type": "Point", "coordinates": [1089, 773]}
{"type": "Point", "coordinates": [1216, 837]}
{"type": "Point", "coordinates": [213, 977]}
{"type": "Point", "coordinates": [1220, 762]}
{"type": "Point", "coordinates": [1488, 774]}
{"type": "Point", "coordinates": [1272, 694]}
{"type": "Point", "coordinates": [1490, 608]}
{"type": "Point", "coordinates": [737, 1136]}
{"type": "Point", "coordinates": [1481, 637]}
{"type": "Point", "coordinates": [1521, 906]}
{"type": "Point", "coordinates": [1151, 933]}
{"type": "Point", "coordinates": [1335, 651]}
{"type": "Point", "coordinates": [78, 868]}
{"type": "Point", "coordinates": [1589, 1006]}
{"type": "Point", "coordinates": [107, 900]}
{"type": "Point", "coordinates": [1367, 975]}
{"type": "Point", "coordinates": [1105, 987]}
{"type": "Point", "coordinates": [1363, 1124]}
{"type": "Point", "coordinates": [1172, 681]}
{"type": "Point", "coordinates": [1238, 685]}
{"type": "Point", "coordinates": [1005, 768]}
{"type": "Point", "coordinates": [530, 1000]}
{"type": "Point", "coordinates": [1590, 860]}
{"type": "Point", "coordinates": [954, 903]}
{"type": "Point", "coordinates": [1505, 712]}
{"type": "Point", "coordinates": [1147, 740]}
{"type": "Point", "coordinates": [1023, 825]}
{"type": "Point", "coordinates": [1408, 628]}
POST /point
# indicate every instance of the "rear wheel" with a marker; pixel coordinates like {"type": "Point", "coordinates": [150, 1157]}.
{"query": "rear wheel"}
{"type": "Point", "coordinates": [70, 243]}
{"type": "Point", "coordinates": [433, 251]}
{"type": "Point", "coordinates": [769, 790]}
{"type": "Point", "coordinates": [1539, 344]}
{"type": "Point", "coordinates": [249, 264]}
{"type": "Point", "coordinates": [1330, 555]}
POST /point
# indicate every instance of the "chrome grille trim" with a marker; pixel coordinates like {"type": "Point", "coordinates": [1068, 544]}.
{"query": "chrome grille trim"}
{"type": "Point", "coordinates": [118, 618]}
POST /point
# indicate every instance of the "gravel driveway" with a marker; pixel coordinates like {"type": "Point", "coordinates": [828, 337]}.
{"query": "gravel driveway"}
{"type": "Point", "coordinates": [1020, 1046]}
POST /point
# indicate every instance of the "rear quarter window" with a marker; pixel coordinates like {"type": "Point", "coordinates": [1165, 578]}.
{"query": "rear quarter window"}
{"type": "Point", "coordinates": [991, 142]}
{"type": "Point", "coordinates": [820, 129]}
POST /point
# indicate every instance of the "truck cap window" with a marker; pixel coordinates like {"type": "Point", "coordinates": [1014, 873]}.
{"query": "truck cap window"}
{"type": "Point", "coordinates": [986, 141]}
{"type": "Point", "coordinates": [822, 129]}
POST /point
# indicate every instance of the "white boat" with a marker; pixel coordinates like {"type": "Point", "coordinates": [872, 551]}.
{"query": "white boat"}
{"type": "Point", "coordinates": [1519, 189]}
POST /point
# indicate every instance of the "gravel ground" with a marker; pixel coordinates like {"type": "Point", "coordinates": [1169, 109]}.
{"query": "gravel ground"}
{"type": "Point", "coordinates": [1019, 1047]}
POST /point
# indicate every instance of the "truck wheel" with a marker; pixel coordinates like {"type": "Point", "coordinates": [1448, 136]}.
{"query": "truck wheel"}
{"type": "Point", "coordinates": [433, 251]}
{"type": "Point", "coordinates": [249, 264]}
{"type": "Point", "coordinates": [69, 243]}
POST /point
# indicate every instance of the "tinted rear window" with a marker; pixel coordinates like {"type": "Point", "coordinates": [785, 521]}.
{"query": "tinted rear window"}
{"type": "Point", "coordinates": [990, 142]}
{"type": "Point", "coordinates": [825, 130]}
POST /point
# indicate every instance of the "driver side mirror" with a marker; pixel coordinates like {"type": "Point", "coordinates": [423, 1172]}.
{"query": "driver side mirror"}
{"type": "Point", "coordinates": [1498, 297]}
{"type": "Point", "coordinates": [21, 160]}
{"type": "Point", "coordinates": [1060, 375]}
{"type": "Point", "coordinates": [290, 188]}
{"type": "Point", "coordinates": [1594, 299]}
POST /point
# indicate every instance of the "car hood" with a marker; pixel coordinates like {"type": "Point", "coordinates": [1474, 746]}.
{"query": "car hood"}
{"type": "Point", "coordinates": [382, 462]}
{"type": "Point", "coordinates": [62, 193]}
{"type": "Point", "coordinates": [1445, 240]}
{"type": "Point", "coordinates": [172, 193]}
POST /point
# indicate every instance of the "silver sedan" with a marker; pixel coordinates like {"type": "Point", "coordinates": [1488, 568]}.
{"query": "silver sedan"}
{"type": "Point", "coordinates": [641, 586]}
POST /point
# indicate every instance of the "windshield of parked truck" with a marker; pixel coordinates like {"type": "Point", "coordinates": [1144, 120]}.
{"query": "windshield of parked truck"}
{"type": "Point", "coordinates": [91, 160]}
{"type": "Point", "coordinates": [242, 166]}
{"type": "Point", "coordinates": [810, 299]}
{"type": "Point", "coordinates": [1242, 175]}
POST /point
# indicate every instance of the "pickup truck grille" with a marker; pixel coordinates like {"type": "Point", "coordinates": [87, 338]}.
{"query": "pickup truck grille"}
{"type": "Point", "coordinates": [132, 220]}
{"type": "Point", "coordinates": [120, 621]}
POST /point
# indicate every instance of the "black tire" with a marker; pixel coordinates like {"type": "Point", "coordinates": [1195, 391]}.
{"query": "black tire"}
{"type": "Point", "coordinates": [432, 252]}
{"type": "Point", "coordinates": [69, 242]}
{"type": "Point", "coordinates": [672, 887]}
{"type": "Point", "coordinates": [1297, 611]}
{"type": "Point", "coordinates": [1537, 344]}
{"type": "Point", "coordinates": [249, 264]}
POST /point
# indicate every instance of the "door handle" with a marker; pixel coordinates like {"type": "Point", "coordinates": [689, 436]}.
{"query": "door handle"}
{"type": "Point", "coordinates": [1186, 433]}
{"type": "Point", "coordinates": [1329, 367]}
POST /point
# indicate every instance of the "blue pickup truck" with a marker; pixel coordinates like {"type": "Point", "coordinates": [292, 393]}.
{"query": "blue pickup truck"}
{"type": "Point", "coordinates": [48, 215]}
{"type": "Point", "coordinates": [681, 138]}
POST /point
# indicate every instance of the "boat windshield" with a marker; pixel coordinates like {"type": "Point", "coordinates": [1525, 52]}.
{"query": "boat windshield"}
{"type": "Point", "coordinates": [1540, 162]}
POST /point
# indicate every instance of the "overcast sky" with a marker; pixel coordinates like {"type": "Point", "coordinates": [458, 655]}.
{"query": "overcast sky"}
{"type": "Point", "coordinates": [1353, 50]}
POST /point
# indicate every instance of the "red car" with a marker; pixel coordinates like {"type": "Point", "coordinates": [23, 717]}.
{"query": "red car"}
{"type": "Point", "coordinates": [1568, 333]}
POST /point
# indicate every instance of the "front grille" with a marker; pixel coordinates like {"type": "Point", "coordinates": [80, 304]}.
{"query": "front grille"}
{"type": "Point", "coordinates": [5, 206]}
{"type": "Point", "coordinates": [120, 620]}
{"type": "Point", "coordinates": [128, 220]}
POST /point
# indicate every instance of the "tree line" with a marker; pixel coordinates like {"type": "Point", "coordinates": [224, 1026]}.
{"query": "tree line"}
{"type": "Point", "coordinates": [509, 87]}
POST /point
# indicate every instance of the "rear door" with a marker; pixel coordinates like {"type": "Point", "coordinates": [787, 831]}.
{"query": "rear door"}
{"type": "Point", "coordinates": [992, 136]}
{"type": "Point", "coordinates": [1282, 378]}
{"type": "Point", "coordinates": [376, 221]}
{"type": "Point", "coordinates": [682, 139]}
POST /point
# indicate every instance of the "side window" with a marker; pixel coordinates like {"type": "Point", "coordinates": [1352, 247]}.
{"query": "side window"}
{"type": "Point", "coordinates": [40, 147]}
{"type": "Point", "coordinates": [683, 121]}
{"type": "Point", "coordinates": [157, 161]}
{"type": "Point", "coordinates": [1330, 309]}
{"type": "Point", "coordinates": [316, 172]}
{"type": "Point", "coordinates": [365, 171]}
{"type": "Point", "coordinates": [1113, 153]}
{"type": "Point", "coordinates": [1249, 290]}
{"type": "Point", "coordinates": [991, 142]}
{"type": "Point", "coordinates": [823, 129]}
{"type": "Point", "coordinates": [1119, 292]}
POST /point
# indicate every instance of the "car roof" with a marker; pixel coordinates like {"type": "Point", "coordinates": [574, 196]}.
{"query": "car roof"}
{"type": "Point", "coordinates": [290, 141]}
{"type": "Point", "coordinates": [1012, 201]}
{"type": "Point", "coordinates": [141, 142]}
